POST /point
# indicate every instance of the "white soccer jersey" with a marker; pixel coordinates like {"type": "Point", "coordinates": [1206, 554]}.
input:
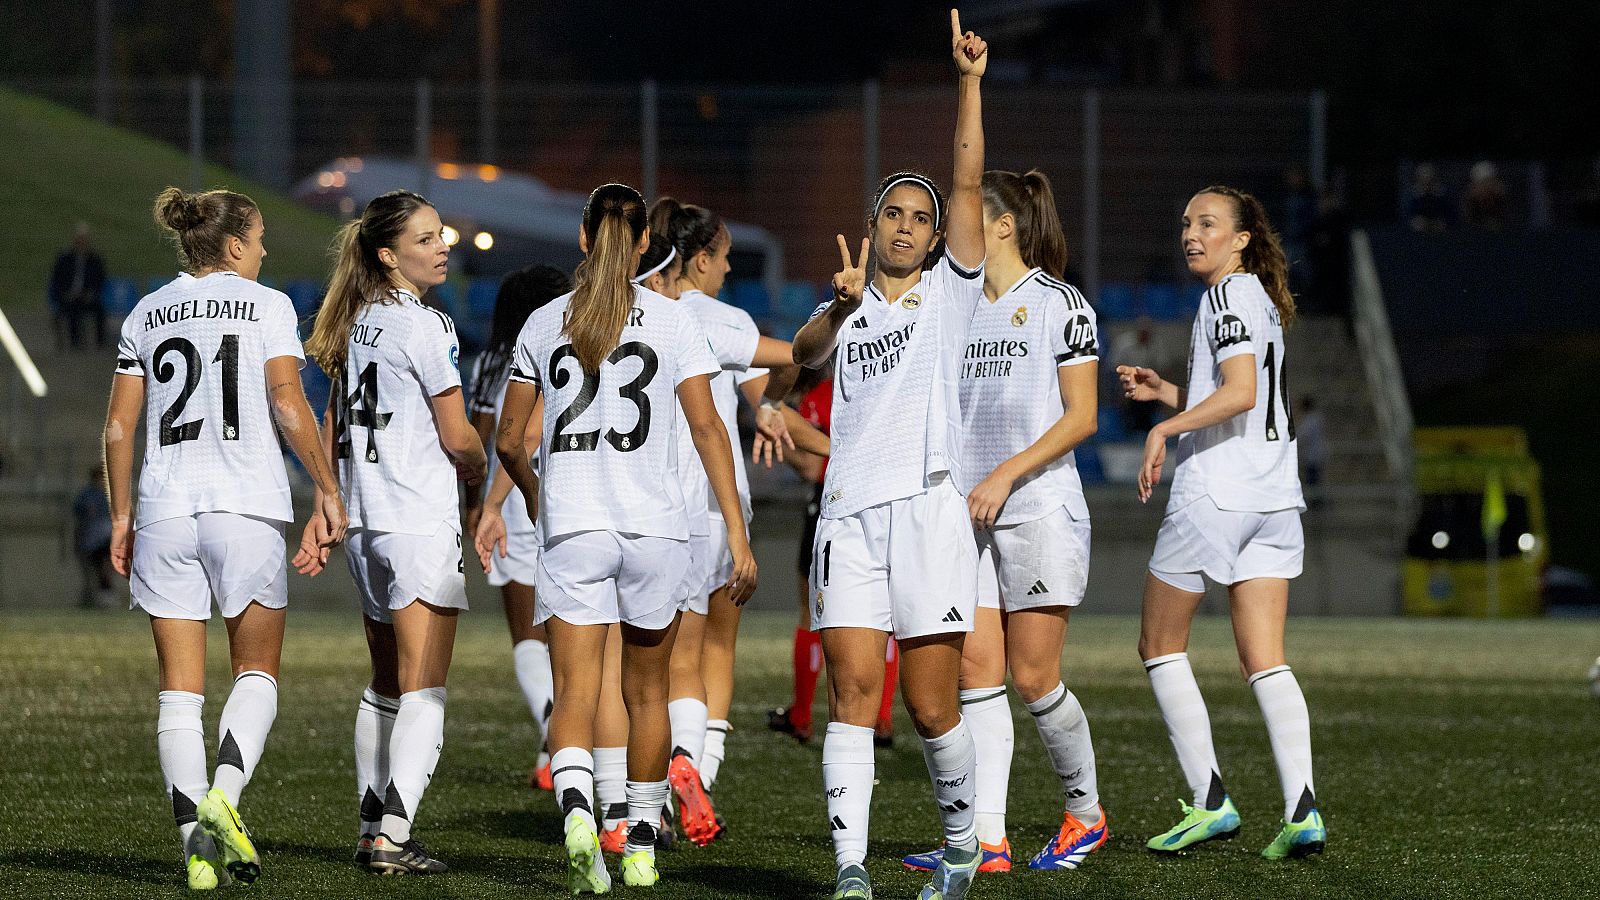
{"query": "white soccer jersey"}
{"type": "Point", "coordinates": [610, 447]}
{"type": "Point", "coordinates": [490, 397]}
{"type": "Point", "coordinates": [733, 336]}
{"type": "Point", "coordinates": [395, 473]}
{"type": "Point", "coordinates": [1011, 393]}
{"type": "Point", "coordinates": [896, 393]}
{"type": "Point", "coordinates": [1247, 463]}
{"type": "Point", "coordinates": [201, 345]}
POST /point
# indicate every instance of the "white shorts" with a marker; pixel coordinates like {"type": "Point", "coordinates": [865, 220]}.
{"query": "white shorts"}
{"type": "Point", "coordinates": [600, 577]}
{"type": "Point", "coordinates": [392, 570]}
{"type": "Point", "coordinates": [180, 564]}
{"type": "Point", "coordinates": [1034, 564]}
{"type": "Point", "coordinates": [1226, 545]}
{"type": "Point", "coordinates": [908, 567]}
{"type": "Point", "coordinates": [522, 555]}
{"type": "Point", "coordinates": [696, 585]}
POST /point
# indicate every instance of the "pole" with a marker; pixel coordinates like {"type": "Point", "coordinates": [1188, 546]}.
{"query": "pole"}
{"type": "Point", "coordinates": [197, 133]}
{"type": "Point", "coordinates": [1091, 191]}
{"type": "Point", "coordinates": [423, 149]}
{"type": "Point", "coordinates": [1319, 140]}
{"type": "Point", "coordinates": [488, 76]}
{"type": "Point", "coordinates": [649, 137]}
{"type": "Point", "coordinates": [102, 60]}
{"type": "Point", "coordinates": [871, 95]}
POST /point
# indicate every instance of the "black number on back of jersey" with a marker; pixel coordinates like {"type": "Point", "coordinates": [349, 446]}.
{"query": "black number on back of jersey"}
{"type": "Point", "coordinates": [228, 355]}
{"type": "Point", "coordinates": [634, 391]}
{"type": "Point", "coordinates": [1277, 391]}
{"type": "Point", "coordinates": [359, 409]}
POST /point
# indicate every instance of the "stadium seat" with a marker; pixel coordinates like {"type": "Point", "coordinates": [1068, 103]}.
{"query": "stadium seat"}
{"type": "Point", "coordinates": [1116, 301]}
{"type": "Point", "coordinates": [305, 294]}
{"type": "Point", "coordinates": [1162, 302]}
{"type": "Point", "coordinates": [119, 296]}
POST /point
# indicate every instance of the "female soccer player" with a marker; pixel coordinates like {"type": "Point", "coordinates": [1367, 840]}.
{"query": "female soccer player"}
{"type": "Point", "coordinates": [401, 439]}
{"type": "Point", "coordinates": [702, 659]}
{"type": "Point", "coordinates": [521, 292]}
{"type": "Point", "coordinates": [1234, 515]}
{"type": "Point", "coordinates": [611, 360]}
{"type": "Point", "coordinates": [1028, 382]}
{"type": "Point", "coordinates": [225, 356]}
{"type": "Point", "coordinates": [894, 549]}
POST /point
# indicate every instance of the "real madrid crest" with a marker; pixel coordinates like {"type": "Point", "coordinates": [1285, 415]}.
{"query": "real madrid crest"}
{"type": "Point", "coordinates": [1020, 317]}
{"type": "Point", "coordinates": [819, 604]}
{"type": "Point", "coordinates": [911, 301]}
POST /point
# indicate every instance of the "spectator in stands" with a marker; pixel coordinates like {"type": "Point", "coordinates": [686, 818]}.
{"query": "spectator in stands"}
{"type": "Point", "coordinates": [1485, 204]}
{"type": "Point", "coordinates": [1429, 208]}
{"type": "Point", "coordinates": [76, 282]}
{"type": "Point", "coordinates": [91, 538]}
{"type": "Point", "coordinates": [1311, 434]}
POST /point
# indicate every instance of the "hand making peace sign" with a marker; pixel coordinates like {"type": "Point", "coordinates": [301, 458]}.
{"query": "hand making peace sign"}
{"type": "Point", "coordinates": [970, 51]}
{"type": "Point", "coordinates": [851, 280]}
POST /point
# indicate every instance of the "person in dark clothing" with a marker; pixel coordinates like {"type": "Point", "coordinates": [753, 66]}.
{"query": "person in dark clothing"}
{"type": "Point", "coordinates": [76, 282]}
{"type": "Point", "coordinates": [92, 541]}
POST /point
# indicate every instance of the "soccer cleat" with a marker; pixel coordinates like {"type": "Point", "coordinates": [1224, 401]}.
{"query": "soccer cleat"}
{"type": "Point", "coordinates": [667, 834]}
{"type": "Point", "coordinates": [883, 734]}
{"type": "Point", "coordinates": [539, 778]}
{"type": "Point", "coordinates": [852, 884]}
{"type": "Point", "coordinates": [639, 869]}
{"type": "Point", "coordinates": [221, 822]}
{"type": "Point", "coordinates": [614, 840]}
{"type": "Point", "coordinates": [1198, 825]}
{"type": "Point", "coordinates": [202, 873]}
{"type": "Point", "coordinates": [951, 880]}
{"type": "Point", "coordinates": [782, 722]}
{"type": "Point", "coordinates": [1072, 843]}
{"type": "Point", "coordinates": [695, 812]}
{"type": "Point", "coordinates": [409, 858]}
{"type": "Point", "coordinates": [1298, 839]}
{"type": "Point", "coordinates": [586, 866]}
{"type": "Point", "coordinates": [364, 851]}
{"type": "Point", "coordinates": [996, 858]}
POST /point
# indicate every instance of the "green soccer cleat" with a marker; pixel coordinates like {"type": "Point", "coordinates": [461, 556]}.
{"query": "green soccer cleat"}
{"type": "Point", "coordinates": [586, 866]}
{"type": "Point", "coordinates": [953, 878]}
{"type": "Point", "coordinates": [1299, 839]}
{"type": "Point", "coordinates": [639, 869]}
{"type": "Point", "coordinates": [853, 884]}
{"type": "Point", "coordinates": [202, 873]}
{"type": "Point", "coordinates": [1198, 825]}
{"type": "Point", "coordinates": [220, 821]}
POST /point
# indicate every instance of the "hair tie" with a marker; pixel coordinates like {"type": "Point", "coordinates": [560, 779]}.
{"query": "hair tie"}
{"type": "Point", "coordinates": [672, 254]}
{"type": "Point", "coordinates": [920, 181]}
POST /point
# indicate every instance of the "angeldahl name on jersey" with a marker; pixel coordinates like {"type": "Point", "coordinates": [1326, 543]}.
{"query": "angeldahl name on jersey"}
{"type": "Point", "coordinates": [241, 310]}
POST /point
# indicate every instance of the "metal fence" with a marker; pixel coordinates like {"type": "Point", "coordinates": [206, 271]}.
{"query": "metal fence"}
{"type": "Point", "coordinates": [798, 160]}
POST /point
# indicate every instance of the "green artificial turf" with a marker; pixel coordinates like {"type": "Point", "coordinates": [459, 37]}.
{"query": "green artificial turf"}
{"type": "Point", "coordinates": [60, 167]}
{"type": "Point", "coordinates": [1453, 759]}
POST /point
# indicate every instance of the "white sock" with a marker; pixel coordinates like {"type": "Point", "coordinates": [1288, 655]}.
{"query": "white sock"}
{"type": "Point", "coordinates": [374, 726]}
{"type": "Point", "coordinates": [610, 785]}
{"type": "Point", "coordinates": [1065, 732]}
{"type": "Point", "coordinates": [413, 753]}
{"type": "Point", "coordinates": [988, 715]}
{"type": "Point", "coordinates": [572, 772]}
{"type": "Point", "coordinates": [1188, 724]}
{"type": "Point", "coordinates": [531, 660]}
{"type": "Point", "coordinates": [246, 721]}
{"type": "Point", "coordinates": [1289, 727]}
{"type": "Point", "coordinates": [688, 719]}
{"type": "Point", "coordinates": [951, 758]}
{"type": "Point", "coordinates": [645, 801]}
{"type": "Point", "coordinates": [716, 746]}
{"type": "Point", "coordinates": [181, 747]}
{"type": "Point", "coordinates": [847, 772]}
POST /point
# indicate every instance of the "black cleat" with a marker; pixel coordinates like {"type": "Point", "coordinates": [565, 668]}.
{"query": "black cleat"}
{"type": "Point", "coordinates": [410, 858]}
{"type": "Point", "coordinates": [778, 720]}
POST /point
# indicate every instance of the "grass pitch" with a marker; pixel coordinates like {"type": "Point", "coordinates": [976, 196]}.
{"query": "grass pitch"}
{"type": "Point", "coordinates": [1453, 759]}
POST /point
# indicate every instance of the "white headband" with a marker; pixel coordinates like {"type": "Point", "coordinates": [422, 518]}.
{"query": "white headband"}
{"type": "Point", "coordinates": [672, 254]}
{"type": "Point", "coordinates": [919, 181]}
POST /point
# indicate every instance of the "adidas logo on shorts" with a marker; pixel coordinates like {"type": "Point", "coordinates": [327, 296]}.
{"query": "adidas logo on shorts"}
{"type": "Point", "coordinates": [952, 616]}
{"type": "Point", "coordinates": [1038, 588]}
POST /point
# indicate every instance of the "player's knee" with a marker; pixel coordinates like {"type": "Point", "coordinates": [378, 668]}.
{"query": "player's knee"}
{"type": "Point", "coordinates": [1033, 682]}
{"type": "Point", "coordinates": [932, 717]}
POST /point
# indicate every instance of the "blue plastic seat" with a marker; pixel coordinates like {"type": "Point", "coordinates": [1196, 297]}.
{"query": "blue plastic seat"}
{"type": "Point", "coordinates": [1162, 302]}
{"type": "Point", "coordinates": [1116, 301]}
{"type": "Point", "coordinates": [119, 296]}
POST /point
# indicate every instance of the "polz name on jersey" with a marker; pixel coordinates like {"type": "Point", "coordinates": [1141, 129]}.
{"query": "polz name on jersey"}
{"type": "Point", "coordinates": [990, 359]}
{"type": "Point", "coordinates": [879, 356]}
{"type": "Point", "coordinates": [242, 310]}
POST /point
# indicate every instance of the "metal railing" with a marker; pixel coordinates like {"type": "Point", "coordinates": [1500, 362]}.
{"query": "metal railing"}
{"type": "Point", "coordinates": [1380, 360]}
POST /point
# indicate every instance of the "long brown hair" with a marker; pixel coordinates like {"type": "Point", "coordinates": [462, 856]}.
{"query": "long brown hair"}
{"type": "Point", "coordinates": [1263, 256]}
{"type": "Point", "coordinates": [1029, 200]}
{"type": "Point", "coordinates": [359, 276]}
{"type": "Point", "coordinates": [200, 224]}
{"type": "Point", "coordinates": [602, 287]}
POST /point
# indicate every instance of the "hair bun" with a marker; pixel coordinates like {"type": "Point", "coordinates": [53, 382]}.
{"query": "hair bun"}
{"type": "Point", "coordinates": [178, 211]}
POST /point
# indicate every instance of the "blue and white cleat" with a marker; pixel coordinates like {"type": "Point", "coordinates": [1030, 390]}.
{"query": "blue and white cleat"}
{"type": "Point", "coordinates": [1072, 844]}
{"type": "Point", "coordinates": [996, 858]}
{"type": "Point", "coordinates": [1198, 825]}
